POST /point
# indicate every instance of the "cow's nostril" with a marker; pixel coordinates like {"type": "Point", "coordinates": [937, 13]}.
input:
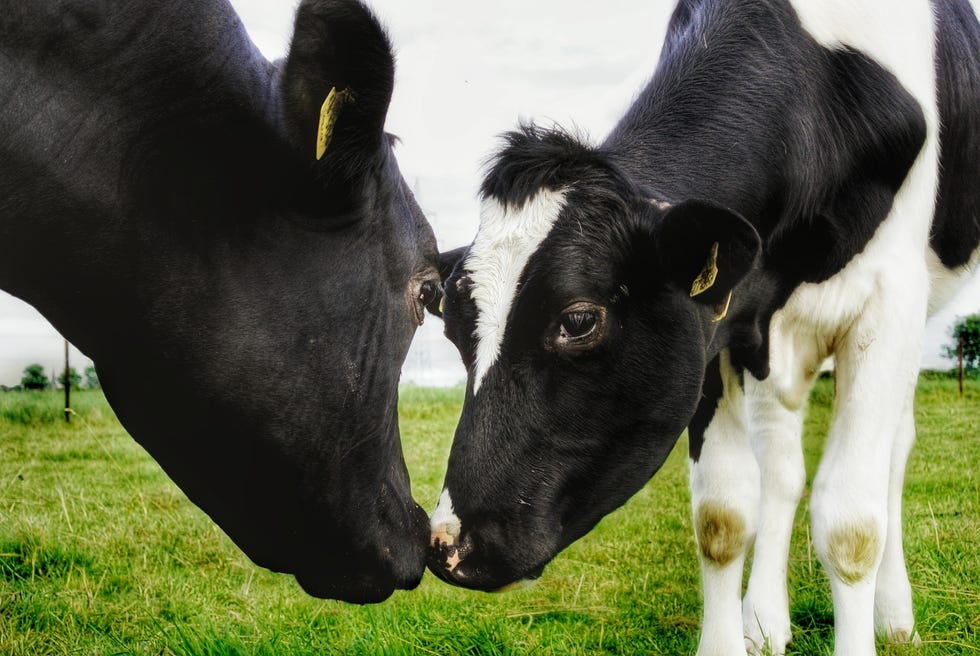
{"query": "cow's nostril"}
{"type": "Point", "coordinates": [398, 547]}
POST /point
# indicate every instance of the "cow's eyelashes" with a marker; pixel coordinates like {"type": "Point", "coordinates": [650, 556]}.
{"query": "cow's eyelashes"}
{"type": "Point", "coordinates": [580, 326]}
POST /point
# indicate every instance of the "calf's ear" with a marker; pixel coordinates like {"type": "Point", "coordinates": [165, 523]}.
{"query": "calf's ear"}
{"type": "Point", "coordinates": [706, 250]}
{"type": "Point", "coordinates": [448, 260]}
{"type": "Point", "coordinates": [336, 86]}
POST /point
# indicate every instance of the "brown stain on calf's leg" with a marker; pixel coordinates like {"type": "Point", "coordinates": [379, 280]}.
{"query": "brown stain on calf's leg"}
{"type": "Point", "coordinates": [720, 532]}
{"type": "Point", "coordinates": [852, 551]}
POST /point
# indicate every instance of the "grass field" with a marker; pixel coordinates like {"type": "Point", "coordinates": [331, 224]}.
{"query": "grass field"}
{"type": "Point", "coordinates": [101, 554]}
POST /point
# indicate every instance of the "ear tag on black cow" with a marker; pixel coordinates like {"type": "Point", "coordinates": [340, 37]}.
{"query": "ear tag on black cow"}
{"type": "Point", "coordinates": [706, 278]}
{"type": "Point", "coordinates": [328, 118]}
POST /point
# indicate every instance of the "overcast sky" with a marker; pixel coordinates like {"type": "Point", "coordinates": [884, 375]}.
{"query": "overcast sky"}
{"type": "Point", "coordinates": [466, 72]}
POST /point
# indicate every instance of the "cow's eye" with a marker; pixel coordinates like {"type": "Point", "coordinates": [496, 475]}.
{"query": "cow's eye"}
{"type": "Point", "coordinates": [429, 293]}
{"type": "Point", "coordinates": [425, 295]}
{"type": "Point", "coordinates": [580, 326]}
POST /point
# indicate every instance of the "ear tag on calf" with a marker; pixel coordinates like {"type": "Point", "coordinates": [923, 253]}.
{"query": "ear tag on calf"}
{"type": "Point", "coordinates": [706, 278]}
{"type": "Point", "coordinates": [328, 118]}
{"type": "Point", "coordinates": [721, 310]}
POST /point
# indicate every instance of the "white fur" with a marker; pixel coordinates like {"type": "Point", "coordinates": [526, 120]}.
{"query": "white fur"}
{"type": "Point", "coordinates": [945, 283]}
{"type": "Point", "coordinates": [776, 426]}
{"type": "Point", "coordinates": [444, 520]}
{"type": "Point", "coordinates": [871, 316]}
{"type": "Point", "coordinates": [873, 312]}
{"type": "Point", "coordinates": [727, 474]}
{"type": "Point", "coordinates": [504, 243]}
{"type": "Point", "coordinates": [892, 611]}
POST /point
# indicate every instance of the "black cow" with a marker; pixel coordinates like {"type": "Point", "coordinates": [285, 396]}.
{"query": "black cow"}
{"type": "Point", "coordinates": [791, 184]}
{"type": "Point", "coordinates": [232, 242]}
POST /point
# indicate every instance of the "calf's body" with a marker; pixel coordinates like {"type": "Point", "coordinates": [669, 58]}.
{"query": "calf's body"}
{"type": "Point", "coordinates": [797, 181]}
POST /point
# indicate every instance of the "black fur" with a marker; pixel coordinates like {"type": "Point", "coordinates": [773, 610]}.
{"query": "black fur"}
{"type": "Point", "coordinates": [247, 307]}
{"type": "Point", "coordinates": [685, 237]}
{"type": "Point", "coordinates": [711, 392]}
{"type": "Point", "coordinates": [956, 227]}
{"type": "Point", "coordinates": [538, 158]}
{"type": "Point", "coordinates": [342, 46]}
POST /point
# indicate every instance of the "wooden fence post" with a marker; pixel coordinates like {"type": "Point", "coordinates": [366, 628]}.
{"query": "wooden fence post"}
{"type": "Point", "coordinates": [67, 381]}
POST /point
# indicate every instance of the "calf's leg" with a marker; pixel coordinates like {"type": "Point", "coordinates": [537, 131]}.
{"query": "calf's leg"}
{"type": "Point", "coordinates": [724, 499]}
{"type": "Point", "coordinates": [776, 426]}
{"type": "Point", "coordinates": [877, 367]}
{"type": "Point", "coordinates": [894, 621]}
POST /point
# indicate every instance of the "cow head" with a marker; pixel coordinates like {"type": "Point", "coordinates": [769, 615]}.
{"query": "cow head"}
{"type": "Point", "coordinates": [248, 268]}
{"type": "Point", "coordinates": [584, 312]}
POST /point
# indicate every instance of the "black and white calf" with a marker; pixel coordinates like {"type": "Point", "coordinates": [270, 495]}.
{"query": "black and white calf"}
{"type": "Point", "coordinates": [798, 181]}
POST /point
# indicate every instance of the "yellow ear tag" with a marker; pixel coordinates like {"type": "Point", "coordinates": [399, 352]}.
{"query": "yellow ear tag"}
{"type": "Point", "coordinates": [328, 117]}
{"type": "Point", "coordinates": [442, 303]}
{"type": "Point", "coordinates": [721, 310]}
{"type": "Point", "coordinates": [706, 278]}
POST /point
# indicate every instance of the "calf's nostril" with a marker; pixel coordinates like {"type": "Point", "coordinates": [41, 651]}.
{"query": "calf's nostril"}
{"type": "Point", "coordinates": [446, 552]}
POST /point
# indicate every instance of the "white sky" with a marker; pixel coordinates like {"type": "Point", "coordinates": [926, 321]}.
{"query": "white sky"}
{"type": "Point", "coordinates": [466, 72]}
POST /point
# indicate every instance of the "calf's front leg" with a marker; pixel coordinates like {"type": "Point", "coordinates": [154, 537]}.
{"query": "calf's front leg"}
{"type": "Point", "coordinates": [724, 499]}
{"type": "Point", "coordinates": [776, 426]}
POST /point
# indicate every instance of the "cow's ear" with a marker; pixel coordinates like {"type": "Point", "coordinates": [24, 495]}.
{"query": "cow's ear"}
{"type": "Point", "coordinates": [706, 250]}
{"type": "Point", "coordinates": [336, 84]}
{"type": "Point", "coordinates": [448, 260]}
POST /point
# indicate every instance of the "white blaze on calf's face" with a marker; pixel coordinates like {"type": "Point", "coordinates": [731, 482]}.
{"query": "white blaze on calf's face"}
{"type": "Point", "coordinates": [505, 241]}
{"type": "Point", "coordinates": [444, 523]}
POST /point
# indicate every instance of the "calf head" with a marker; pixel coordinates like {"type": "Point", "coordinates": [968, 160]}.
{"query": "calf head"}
{"type": "Point", "coordinates": [584, 312]}
{"type": "Point", "coordinates": [248, 270]}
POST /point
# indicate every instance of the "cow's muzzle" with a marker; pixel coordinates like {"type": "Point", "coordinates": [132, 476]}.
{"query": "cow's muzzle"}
{"type": "Point", "coordinates": [395, 560]}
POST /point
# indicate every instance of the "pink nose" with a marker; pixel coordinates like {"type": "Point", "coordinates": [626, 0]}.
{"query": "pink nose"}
{"type": "Point", "coordinates": [444, 544]}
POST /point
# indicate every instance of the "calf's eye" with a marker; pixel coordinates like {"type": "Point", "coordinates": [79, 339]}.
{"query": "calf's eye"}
{"type": "Point", "coordinates": [580, 326]}
{"type": "Point", "coordinates": [577, 325]}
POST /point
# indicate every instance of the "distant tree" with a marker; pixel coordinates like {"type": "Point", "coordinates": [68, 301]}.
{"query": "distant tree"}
{"type": "Point", "coordinates": [92, 379]}
{"type": "Point", "coordinates": [74, 378]}
{"type": "Point", "coordinates": [34, 378]}
{"type": "Point", "coordinates": [967, 329]}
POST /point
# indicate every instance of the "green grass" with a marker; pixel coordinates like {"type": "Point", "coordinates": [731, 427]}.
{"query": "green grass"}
{"type": "Point", "coordinates": [41, 408]}
{"type": "Point", "coordinates": [101, 554]}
